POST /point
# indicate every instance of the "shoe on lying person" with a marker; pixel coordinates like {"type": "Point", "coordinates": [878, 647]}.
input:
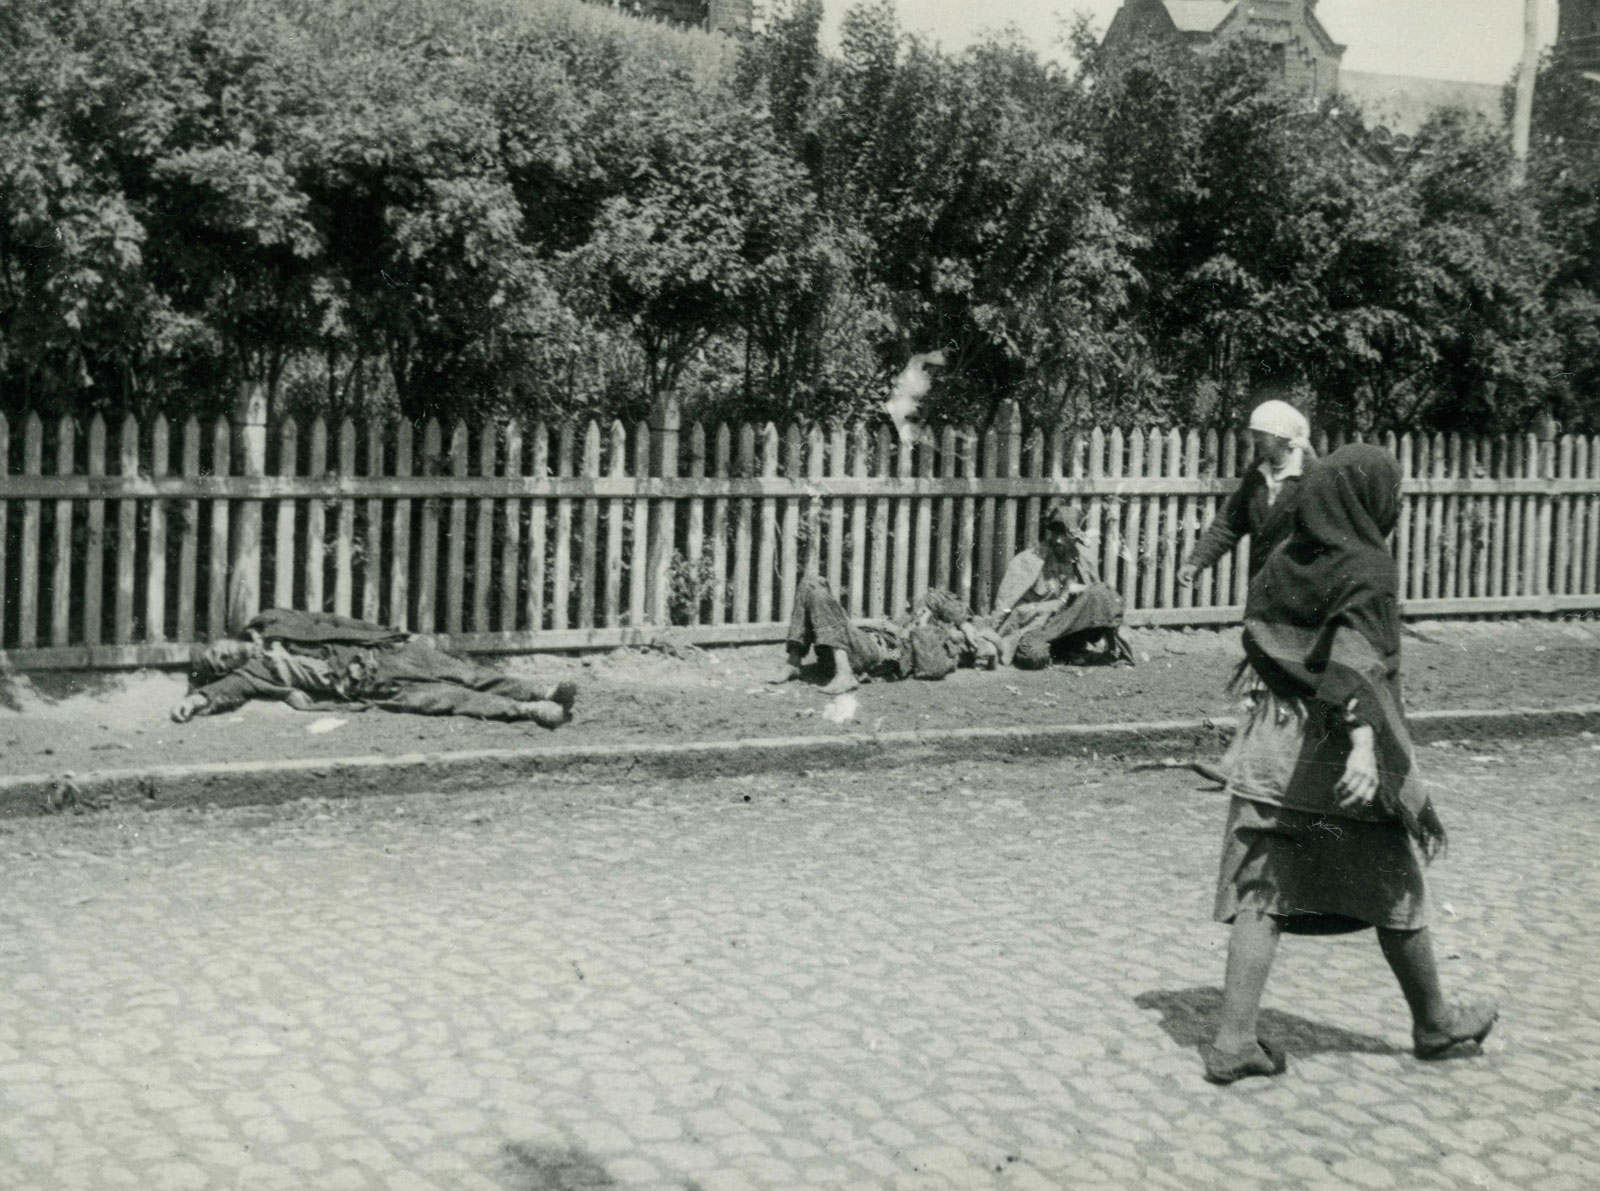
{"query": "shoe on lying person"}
{"type": "Point", "coordinates": [545, 713]}
{"type": "Point", "coordinates": [1462, 1023]}
{"type": "Point", "coordinates": [566, 694]}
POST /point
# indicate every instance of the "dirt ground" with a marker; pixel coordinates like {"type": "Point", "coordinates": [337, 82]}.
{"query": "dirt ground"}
{"type": "Point", "coordinates": [56, 723]}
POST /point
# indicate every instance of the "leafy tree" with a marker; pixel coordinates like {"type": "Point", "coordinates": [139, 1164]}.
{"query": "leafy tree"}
{"type": "Point", "coordinates": [1564, 180]}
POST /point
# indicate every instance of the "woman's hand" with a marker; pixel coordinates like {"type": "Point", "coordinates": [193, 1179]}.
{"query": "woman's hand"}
{"type": "Point", "coordinates": [1187, 574]}
{"type": "Point", "coordinates": [1359, 785]}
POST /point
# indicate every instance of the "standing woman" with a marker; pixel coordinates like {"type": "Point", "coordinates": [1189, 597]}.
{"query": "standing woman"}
{"type": "Point", "coordinates": [1262, 506]}
{"type": "Point", "coordinates": [1328, 830]}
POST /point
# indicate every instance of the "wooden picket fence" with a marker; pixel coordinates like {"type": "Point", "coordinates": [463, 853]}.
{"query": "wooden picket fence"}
{"type": "Point", "coordinates": [122, 546]}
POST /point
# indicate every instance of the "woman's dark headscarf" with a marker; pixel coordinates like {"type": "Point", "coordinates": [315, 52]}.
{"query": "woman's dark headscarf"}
{"type": "Point", "coordinates": [1335, 566]}
{"type": "Point", "coordinates": [1322, 619]}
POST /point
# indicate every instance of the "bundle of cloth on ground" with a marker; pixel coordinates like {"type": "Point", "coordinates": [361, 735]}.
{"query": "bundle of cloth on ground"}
{"type": "Point", "coordinates": [311, 659]}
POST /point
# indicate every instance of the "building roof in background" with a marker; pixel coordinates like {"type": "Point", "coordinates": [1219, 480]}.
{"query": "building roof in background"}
{"type": "Point", "coordinates": [1199, 16]}
{"type": "Point", "coordinates": [1403, 103]}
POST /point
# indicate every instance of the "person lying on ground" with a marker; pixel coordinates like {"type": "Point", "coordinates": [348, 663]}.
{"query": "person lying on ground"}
{"type": "Point", "coordinates": [924, 645]}
{"type": "Point", "coordinates": [1262, 506]}
{"type": "Point", "coordinates": [1328, 827]}
{"type": "Point", "coordinates": [307, 659]}
{"type": "Point", "coordinates": [1051, 605]}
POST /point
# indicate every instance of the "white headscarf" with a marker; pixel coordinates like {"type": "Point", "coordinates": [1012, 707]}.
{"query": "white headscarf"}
{"type": "Point", "coordinates": [1284, 420]}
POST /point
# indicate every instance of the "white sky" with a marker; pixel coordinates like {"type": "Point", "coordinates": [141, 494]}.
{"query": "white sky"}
{"type": "Point", "coordinates": [1471, 40]}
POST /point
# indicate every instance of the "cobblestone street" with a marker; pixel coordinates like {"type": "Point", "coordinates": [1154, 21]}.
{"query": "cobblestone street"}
{"type": "Point", "coordinates": [964, 976]}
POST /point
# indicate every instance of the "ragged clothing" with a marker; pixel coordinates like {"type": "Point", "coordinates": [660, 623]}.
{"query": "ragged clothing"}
{"type": "Point", "coordinates": [1043, 606]}
{"type": "Point", "coordinates": [307, 657]}
{"type": "Point", "coordinates": [886, 649]}
{"type": "Point", "coordinates": [1261, 507]}
{"type": "Point", "coordinates": [1322, 649]}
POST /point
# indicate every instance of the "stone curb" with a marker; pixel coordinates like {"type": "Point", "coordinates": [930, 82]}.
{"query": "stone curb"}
{"type": "Point", "coordinates": [265, 782]}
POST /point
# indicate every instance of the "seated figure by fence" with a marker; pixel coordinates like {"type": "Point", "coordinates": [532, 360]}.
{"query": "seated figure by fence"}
{"type": "Point", "coordinates": [1051, 605]}
{"type": "Point", "coordinates": [307, 659]}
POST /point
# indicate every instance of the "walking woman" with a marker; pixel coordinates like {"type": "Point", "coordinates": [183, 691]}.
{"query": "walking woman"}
{"type": "Point", "coordinates": [1328, 830]}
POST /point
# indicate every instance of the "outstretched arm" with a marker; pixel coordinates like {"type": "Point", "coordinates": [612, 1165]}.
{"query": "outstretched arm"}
{"type": "Point", "coordinates": [1231, 523]}
{"type": "Point", "coordinates": [253, 680]}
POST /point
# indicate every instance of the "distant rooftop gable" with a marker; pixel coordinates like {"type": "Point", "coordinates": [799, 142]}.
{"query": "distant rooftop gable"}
{"type": "Point", "coordinates": [1403, 103]}
{"type": "Point", "coordinates": [1199, 16]}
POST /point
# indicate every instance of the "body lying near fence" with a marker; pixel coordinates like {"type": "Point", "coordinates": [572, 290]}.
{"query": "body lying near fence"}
{"type": "Point", "coordinates": [310, 658]}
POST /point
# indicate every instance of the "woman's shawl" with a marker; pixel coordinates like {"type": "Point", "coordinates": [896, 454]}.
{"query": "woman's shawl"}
{"type": "Point", "coordinates": [1322, 619]}
{"type": "Point", "coordinates": [1025, 570]}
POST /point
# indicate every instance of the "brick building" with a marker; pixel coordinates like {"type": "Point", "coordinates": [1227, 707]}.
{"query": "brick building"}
{"type": "Point", "coordinates": [1307, 55]}
{"type": "Point", "coordinates": [719, 16]}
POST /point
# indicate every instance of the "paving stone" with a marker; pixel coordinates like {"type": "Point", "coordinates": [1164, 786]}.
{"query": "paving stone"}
{"type": "Point", "coordinates": [850, 982]}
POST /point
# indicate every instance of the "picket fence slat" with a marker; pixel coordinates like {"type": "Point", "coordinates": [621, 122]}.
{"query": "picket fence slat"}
{"type": "Point", "coordinates": [426, 580]}
{"type": "Point", "coordinates": [816, 468]}
{"type": "Point", "coordinates": [400, 535]}
{"type": "Point", "coordinates": [922, 554]}
{"type": "Point", "coordinates": [456, 540]}
{"type": "Point", "coordinates": [316, 520]}
{"type": "Point", "coordinates": [61, 571]}
{"type": "Point", "coordinates": [899, 598]}
{"type": "Point", "coordinates": [28, 548]}
{"type": "Point", "coordinates": [372, 537]}
{"type": "Point", "coordinates": [487, 539]}
{"type": "Point", "coordinates": [664, 432]}
{"type": "Point", "coordinates": [127, 528]}
{"type": "Point", "coordinates": [344, 534]}
{"type": "Point", "coordinates": [1111, 537]}
{"type": "Point", "coordinates": [767, 544]}
{"type": "Point", "coordinates": [283, 554]}
{"type": "Point", "coordinates": [836, 467]}
{"type": "Point", "coordinates": [155, 601]}
{"type": "Point", "coordinates": [588, 542]}
{"type": "Point", "coordinates": [1010, 466]}
{"type": "Point", "coordinates": [616, 514]}
{"type": "Point", "coordinates": [561, 564]}
{"type": "Point", "coordinates": [639, 578]}
{"type": "Point", "coordinates": [221, 515]}
{"type": "Point", "coordinates": [743, 532]}
{"type": "Point", "coordinates": [5, 516]}
{"type": "Point", "coordinates": [719, 528]}
{"type": "Point", "coordinates": [537, 513]}
{"type": "Point", "coordinates": [966, 540]}
{"type": "Point", "coordinates": [1591, 512]}
{"type": "Point", "coordinates": [789, 554]}
{"type": "Point", "coordinates": [695, 532]}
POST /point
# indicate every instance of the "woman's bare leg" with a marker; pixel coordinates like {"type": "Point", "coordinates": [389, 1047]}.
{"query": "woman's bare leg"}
{"type": "Point", "coordinates": [1410, 956]}
{"type": "Point", "coordinates": [1251, 950]}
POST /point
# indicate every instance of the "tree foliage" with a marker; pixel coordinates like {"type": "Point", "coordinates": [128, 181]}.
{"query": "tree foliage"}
{"type": "Point", "coordinates": [546, 207]}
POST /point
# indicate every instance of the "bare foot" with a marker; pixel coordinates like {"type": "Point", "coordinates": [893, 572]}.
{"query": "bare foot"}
{"type": "Point", "coordinates": [840, 684]}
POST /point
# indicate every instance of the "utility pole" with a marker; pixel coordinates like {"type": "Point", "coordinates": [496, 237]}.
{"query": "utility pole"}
{"type": "Point", "coordinates": [1522, 116]}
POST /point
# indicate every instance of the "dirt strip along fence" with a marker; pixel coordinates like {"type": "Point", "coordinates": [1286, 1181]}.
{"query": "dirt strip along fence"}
{"type": "Point", "coordinates": [122, 544]}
